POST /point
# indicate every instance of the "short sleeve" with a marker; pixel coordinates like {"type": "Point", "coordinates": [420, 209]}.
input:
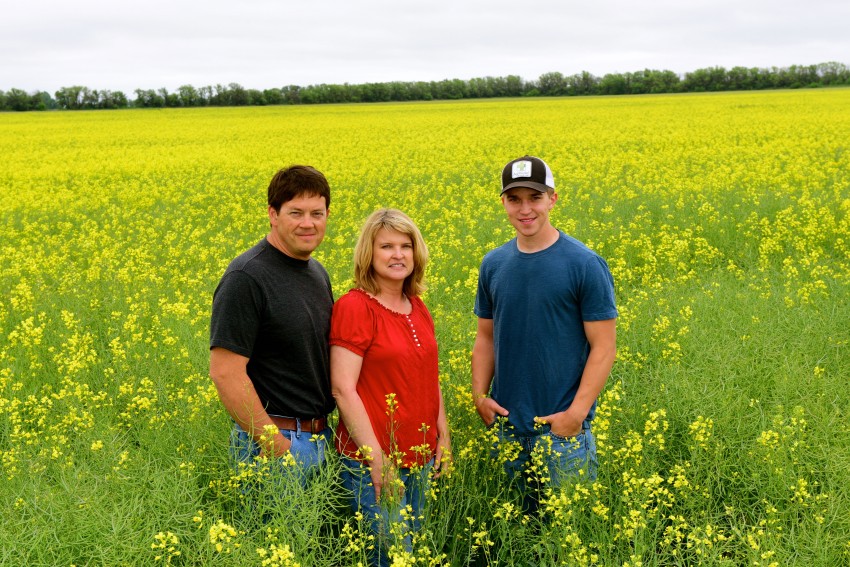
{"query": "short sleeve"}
{"type": "Point", "coordinates": [597, 297]}
{"type": "Point", "coordinates": [352, 323]}
{"type": "Point", "coordinates": [236, 313]}
{"type": "Point", "coordinates": [483, 304]}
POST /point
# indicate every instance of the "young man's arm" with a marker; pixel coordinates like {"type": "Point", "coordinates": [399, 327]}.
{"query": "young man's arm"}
{"type": "Point", "coordinates": [483, 367]}
{"type": "Point", "coordinates": [240, 399]}
{"type": "Point", "coordinates": [602, 337]}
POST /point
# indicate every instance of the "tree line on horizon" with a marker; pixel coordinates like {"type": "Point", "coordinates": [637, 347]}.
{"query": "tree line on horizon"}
{"type": "Point", "coordinates": [648, 81]}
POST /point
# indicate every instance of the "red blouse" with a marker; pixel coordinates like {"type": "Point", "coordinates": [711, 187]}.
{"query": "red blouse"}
{"type": "Point", "coordinates": [399, 356]}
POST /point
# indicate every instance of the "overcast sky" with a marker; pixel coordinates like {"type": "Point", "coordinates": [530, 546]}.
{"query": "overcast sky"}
{"type": "Point", "coordinates": [125, 45]}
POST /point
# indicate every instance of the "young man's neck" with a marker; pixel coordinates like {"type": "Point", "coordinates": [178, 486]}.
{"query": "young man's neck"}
{"type": "Point", "coordinates": [540, 241]}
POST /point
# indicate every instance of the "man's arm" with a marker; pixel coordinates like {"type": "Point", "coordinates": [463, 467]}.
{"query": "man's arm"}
{"type": "Point", "coordinates": [602, 337]}
{"type": "Point", "coordinates": [483, 367]}
{"type": "Point", "coordinates": [240, 399]}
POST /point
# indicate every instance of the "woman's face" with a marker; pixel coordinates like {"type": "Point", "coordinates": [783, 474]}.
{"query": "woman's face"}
{"type": "Point", "coordinates": [392, 257]}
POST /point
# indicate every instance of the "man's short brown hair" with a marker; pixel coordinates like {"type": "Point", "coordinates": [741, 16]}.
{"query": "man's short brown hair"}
{"type": "Point", "coordinates": [296, 181]}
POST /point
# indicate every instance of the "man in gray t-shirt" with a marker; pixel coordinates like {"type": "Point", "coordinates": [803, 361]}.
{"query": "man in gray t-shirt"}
{"type": "Point", "coordinates": [269, 329]}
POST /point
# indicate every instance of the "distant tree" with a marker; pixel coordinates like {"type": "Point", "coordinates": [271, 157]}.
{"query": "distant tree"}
{"type": "Point", "coordinates": [219, 95]}
{"type": "Point", "coordinates": [580, 84]}
{"type": "Point", "coordinates": [708, 79]}
{"type": "Point", "coordinates": [514, 86]}
{"type": "Point", "coordinates": [398, 91]}
{"type": "Point", "coordinates": [613, 84]}
{"type": "Point", "coordinates": [148, 98]}
{"type": "Point", "coordinates": [552, 84]}
{"type": "Point", "coordinates": [256, 98]}
{"type": "Point", "coordinates": [309, 95]}
{"type": "Point", "coordinates": [188, 95]}
{"type": "Point", "coordinates": [273, 96]}
{"type": "Point", "coordinates": [18, 100]}
{"type": "Point", "coordinates": [662, 81]}
{"type": "Point", "coordinates": [40, 100]}
{"type": "Point", "coordinates": [291, 94]}
{"type": "Point", "coordinates": [479, 88]}
{"type": "Point", "coordinates": [760, 78]}
{"type": "Point", "coordinates": [237, 95]}
{"type": "Point", "coordinates": [167, 99]}
{"type": "Point", "coordinates": [90, 98]}
{"type": "Point", "coordinates": [205, 95]}
{"type": "Point", "coordinates": [353, 93]}
{"type": "Point", "coordinates": [334, 93]}
{"type": "Point", "coordinates": [119, 99]}
{"type": "Point", "coordinates": [804, 76]}
{"type": "Point", "coordinates": [421, 90]}
{"type": "Point", "coordinates": [70, 97]}
{"type": "Point", "coordinates": [833, 73]}
{"type": "Point", "coordinates": [450, 89]}
{"type": "Point", "coordinates": [739, 79]}
{"type": "Point", "coordinates": [105, 100]}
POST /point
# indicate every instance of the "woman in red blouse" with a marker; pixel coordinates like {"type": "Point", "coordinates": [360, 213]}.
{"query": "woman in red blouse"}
{"type": "Point", "coordinates": [393, 430]}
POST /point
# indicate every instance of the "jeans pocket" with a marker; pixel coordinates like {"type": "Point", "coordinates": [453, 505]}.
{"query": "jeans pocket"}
{"type": "Point", "coordinates": [572, 457]}
{"type": "Point", "coordinates": [572, 439]}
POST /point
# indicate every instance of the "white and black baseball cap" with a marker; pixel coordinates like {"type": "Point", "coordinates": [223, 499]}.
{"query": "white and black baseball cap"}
{"type": "Point", "coordinates": [528, 171]}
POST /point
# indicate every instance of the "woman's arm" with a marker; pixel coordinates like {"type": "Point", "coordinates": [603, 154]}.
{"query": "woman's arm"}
{"type": "Point", "coordinates": [345, 372]}
{"type": "Point", "coordinates": [443, 457]}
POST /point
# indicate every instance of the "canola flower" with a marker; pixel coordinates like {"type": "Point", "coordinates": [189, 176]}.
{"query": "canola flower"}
{"type": "Point", "coordinates": [165, 545]}
{"type": "Point", "coordinates": [721, 433]}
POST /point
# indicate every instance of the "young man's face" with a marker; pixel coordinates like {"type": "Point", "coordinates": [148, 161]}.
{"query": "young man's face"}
{"type": "Point", "coordinates": [299, 227]}
{"type": "Point", "coordinates": [528, 209]}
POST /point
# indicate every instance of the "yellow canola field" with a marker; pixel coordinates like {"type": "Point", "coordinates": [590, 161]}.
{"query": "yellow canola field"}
{"type": "Point", "coordinates": [725, 219]}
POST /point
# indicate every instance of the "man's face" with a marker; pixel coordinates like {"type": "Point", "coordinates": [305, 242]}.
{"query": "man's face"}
{"type": "Point", "coordinates": [299, 227]}
{"type": "Point", "coordinates": [528, 209]}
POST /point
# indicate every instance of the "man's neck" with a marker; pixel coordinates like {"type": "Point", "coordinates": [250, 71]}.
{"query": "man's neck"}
{"type": "Point", "coordinates": [540, 241]}
{"type": "Point", "coordinates": [276, 242]}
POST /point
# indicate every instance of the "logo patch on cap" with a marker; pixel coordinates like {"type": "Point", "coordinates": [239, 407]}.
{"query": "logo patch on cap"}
{"type": "Point", "coordinates": [521, 169]}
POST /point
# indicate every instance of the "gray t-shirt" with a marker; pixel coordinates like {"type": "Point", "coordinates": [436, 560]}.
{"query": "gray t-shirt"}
{"type": "Point", "coordinates": [276, 310]}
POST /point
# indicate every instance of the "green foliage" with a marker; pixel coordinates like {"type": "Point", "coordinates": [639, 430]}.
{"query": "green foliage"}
{"type": "Point", "coordinates": [648, 81]}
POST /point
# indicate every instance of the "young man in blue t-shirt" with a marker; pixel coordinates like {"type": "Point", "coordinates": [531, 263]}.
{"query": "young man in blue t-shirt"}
{"type": "Point", "coordinates": [546, 338]}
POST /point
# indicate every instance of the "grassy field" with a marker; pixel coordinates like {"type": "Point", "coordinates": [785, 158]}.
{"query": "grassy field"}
{"type": "Point", "coordinates": [724, 431]}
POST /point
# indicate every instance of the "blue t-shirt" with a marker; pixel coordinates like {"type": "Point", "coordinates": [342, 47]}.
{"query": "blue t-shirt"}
{"type": "Point", "coordinates": [539, 303]}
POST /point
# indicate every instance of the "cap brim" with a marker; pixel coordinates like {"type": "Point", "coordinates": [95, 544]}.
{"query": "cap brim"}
{"type": "Point", "coordinates": [529, 185]}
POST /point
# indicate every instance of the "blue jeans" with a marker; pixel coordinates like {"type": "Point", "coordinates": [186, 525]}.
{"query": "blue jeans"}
{"type": "Point", "coordinates": [560, 460]}
{"type": "Point", "coordinates": [357, 481]}
{"type": "Point", "coordinates": [308, 449]}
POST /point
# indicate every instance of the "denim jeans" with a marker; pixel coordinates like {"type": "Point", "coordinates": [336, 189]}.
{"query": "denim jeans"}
{"type": "Point", "coordinates": [357, 481]}
{"type": "Point", "coordinates": [545, 460]}
{"type": "Point", "coordinates": [308, 449]}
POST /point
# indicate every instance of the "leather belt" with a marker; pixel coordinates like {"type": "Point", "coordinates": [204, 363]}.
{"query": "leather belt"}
{"type": "Point", "coordinates": [308, 424]}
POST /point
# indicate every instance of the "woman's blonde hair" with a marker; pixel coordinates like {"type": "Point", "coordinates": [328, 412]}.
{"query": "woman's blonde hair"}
{"type": "Point", "coordinates": [390, 219]}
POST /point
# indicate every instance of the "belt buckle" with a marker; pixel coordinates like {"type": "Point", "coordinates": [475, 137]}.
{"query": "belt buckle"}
{"type": "Point", "coordinates": [313, 423]}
